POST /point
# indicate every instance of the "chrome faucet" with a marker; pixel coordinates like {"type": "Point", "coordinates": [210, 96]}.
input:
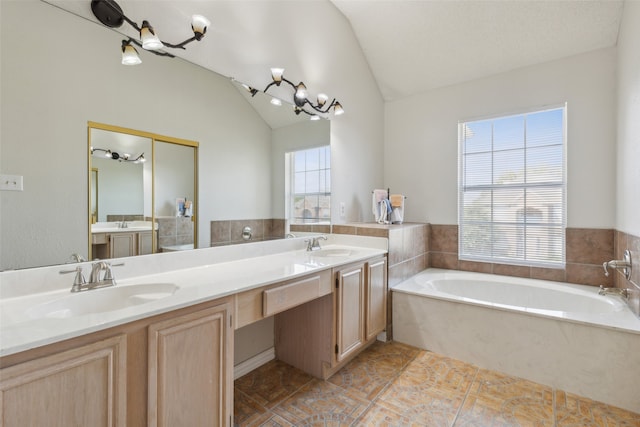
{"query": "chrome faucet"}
{"type": "Point", "coordinates": [624, 293]}
{"type": "Point", "coordinates": [123, 224]}
{"type": "Point", "coordinates": [624, 264]}
{"type": "Point", "coordinates": [313, 244]}
{"type": "Point", "coordinates": [95, 281]}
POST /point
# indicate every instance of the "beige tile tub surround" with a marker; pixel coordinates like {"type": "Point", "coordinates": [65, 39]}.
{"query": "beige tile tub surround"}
{"type": "Point", "coordinates": [414, 247]}
{"type": "Point", "coordinates": [174, 230]}
{"type": "Point", "coordinates": [586, 250]}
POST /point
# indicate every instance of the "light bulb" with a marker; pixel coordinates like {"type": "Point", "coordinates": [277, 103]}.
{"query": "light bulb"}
{"type": "Point", "coordinates": [276, 101]}
{"type": "Point", "coordinates": [322, 99]}
{"type": "Point", "coordinates": [199, 25]}
{"type": "Point", "coordinates": [314, 117]}
{"type": "Point", "coordinates": [337, 109]}
{"type": "Point", "coordinates": [129, 54]}
{"type": "Point", "coordinates": [276, 75]}
{"type": "Point", "coordinates": [149, 39]}
{"type": "Point", "coordinates": [301, 91]}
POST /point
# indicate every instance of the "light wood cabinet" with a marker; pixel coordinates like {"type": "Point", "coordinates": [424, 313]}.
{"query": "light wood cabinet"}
{"type": "Point", "coordinates": [190, 369]}
{"type": "Point", "coordinates": [84, 386]}
{"type": "Point", "coordinates": [321, 336]}
{"type": "Point", "coordinates": [376, 296]}
{"type": "Point", "coordinates": [145, 243]}
{"type": "Point", "coordinates": [171, 369]}
{"type": "Point", "coordinates": [349, 310]}
{"type": "Point", "coordinates": [256, 304]}
{"type": "Point", "coordinates": [122, 245]}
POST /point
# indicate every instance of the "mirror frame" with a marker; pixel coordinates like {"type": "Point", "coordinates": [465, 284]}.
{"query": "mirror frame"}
{"type": "Point", "coordinates": [154, 137]}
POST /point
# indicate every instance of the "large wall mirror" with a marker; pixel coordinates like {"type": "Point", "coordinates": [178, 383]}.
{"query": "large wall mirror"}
{"type": "Point", "coordinates": [143, 192]}
{"type": "Point", "coordinates": [44, 116]}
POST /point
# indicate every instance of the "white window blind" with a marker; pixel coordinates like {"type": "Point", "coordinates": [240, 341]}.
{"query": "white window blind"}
{"type": "Point", "coordinates": [310, 185]}
{"type": "Point", "coordinates": [512, 189]}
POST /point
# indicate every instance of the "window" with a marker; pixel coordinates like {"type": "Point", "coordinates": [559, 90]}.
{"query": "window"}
{"type": "Point", "coordinates": [310, 183]}
{"type": "Point", "coordinates": [512, 189]}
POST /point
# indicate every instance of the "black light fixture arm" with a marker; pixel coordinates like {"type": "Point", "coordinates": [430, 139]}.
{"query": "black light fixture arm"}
{"type": "Point", "coordinates": [110, 14]}
{"type": "Point", "coordinates": [300, 102]}
{"type": "Point", "coordinates": [277, 83]}
{"type": "Point", "coordinates": [155, 52]}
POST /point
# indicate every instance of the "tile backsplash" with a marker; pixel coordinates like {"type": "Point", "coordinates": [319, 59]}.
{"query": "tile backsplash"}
{"type": "Point", "coordinates": [230, 232]}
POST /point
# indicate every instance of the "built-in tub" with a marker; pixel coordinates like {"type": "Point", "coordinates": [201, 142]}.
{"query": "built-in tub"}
{"type": "Point", "coordinates": [562, 335]}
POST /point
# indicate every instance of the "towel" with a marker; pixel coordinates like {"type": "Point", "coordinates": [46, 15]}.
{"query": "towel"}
{"type": "Point", "coordinates": [397, 200]}
{"type": "Point", "coordinates": [379, 195]}
{"type": "Point", "coordinates": [397, 214]}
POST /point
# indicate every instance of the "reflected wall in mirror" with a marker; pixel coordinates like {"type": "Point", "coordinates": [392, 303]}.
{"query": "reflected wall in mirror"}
{"type": "Point", "coordinates": [241, 151]}
{"type": "Point", "coordinates": [144, 206]}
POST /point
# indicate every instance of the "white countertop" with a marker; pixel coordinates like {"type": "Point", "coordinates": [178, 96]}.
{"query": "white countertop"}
{"type": "Point", "coordinates": [200, 280]}
{"type": "Point", "coordinates": [114, 227]}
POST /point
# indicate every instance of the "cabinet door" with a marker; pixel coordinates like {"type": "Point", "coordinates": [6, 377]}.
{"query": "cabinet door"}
{"type": "Point", "coordinates": [145, 243]}
{"type": "Point", "coordinates": [122, 245]}
{"type": "Point", "coordinates": [376, 310]}
{"type": "Point", "coordinates": [349, 311]}
{"type": "Point", "coordinates": [85, 386]}
{"type": "Point", "coordinates": [191, 369]}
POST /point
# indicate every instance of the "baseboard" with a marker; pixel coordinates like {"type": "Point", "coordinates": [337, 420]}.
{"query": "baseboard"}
{"type": "Point", "coordinates": [255, 362]}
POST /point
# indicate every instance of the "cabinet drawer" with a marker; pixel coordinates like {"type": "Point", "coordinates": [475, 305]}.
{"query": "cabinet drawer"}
{"type": "Point", "coordinates": [252, 305]}
{"type": "Point", "coordinates": [99, 238]}
{"type": "Point", "coordinates": [295, 293]}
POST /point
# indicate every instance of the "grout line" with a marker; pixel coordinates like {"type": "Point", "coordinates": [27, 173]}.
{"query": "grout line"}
{"type": "Point", "coordinates": [464, 399]}
{"type": "Point", "coordinates": [553, 407]}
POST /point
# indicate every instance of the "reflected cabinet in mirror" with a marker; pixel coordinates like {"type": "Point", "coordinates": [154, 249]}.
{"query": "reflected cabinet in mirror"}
{"type": "Point", "coordinates": [143, 192]}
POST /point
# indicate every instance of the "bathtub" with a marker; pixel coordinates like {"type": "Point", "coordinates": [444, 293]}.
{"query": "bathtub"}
{"type": "Point", "coordinates": [562, 335]}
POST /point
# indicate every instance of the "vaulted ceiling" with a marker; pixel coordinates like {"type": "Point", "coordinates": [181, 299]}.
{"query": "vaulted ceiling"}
{"type": "Point", "coordinates": [411, 45]}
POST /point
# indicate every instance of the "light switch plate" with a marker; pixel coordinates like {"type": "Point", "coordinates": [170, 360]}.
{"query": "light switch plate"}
{"type": "Point", "coordinates": [11, 183]}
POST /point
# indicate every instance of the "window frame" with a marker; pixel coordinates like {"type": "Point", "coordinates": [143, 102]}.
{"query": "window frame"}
{"type": "Point", "coordinates": [492, 222]}
{"type": "Point", "coordinates": [290, 187]}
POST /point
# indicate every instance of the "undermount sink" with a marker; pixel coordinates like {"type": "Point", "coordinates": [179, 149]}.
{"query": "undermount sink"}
{"type": "Point", "coordinates": [101, 300]}
{"type": "Point", "coordinates": [334, 252]}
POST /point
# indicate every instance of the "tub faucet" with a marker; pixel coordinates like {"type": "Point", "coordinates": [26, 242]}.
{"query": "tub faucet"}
{"type": "Point", "coordinates": [624, 264]}
{"type": "Point", "coordinates": [624, 293]}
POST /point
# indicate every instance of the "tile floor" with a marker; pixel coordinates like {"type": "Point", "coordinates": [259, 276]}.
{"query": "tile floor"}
{"type": "Point", "coordinates": [392, 384]}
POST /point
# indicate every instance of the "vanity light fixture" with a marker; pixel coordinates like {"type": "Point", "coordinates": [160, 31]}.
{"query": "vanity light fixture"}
{"type": "Point", "coordinates": [301, 97]}
{"type": "Point", "coordinates": [124, 157]}
{"type": "Point", "coordinates": [110, 14]}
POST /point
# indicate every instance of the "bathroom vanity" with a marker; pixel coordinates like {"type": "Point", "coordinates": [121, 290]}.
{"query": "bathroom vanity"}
{"type": "Point", "coordinates": [169, 361]}
{"type": "Point", "coordinates": [112, 240]}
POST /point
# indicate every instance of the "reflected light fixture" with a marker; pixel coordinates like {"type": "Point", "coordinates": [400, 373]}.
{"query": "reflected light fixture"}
{"type": "Point", "coordinates": [301, 97]}
{"type": "Point", "coordinates": [124, 157]}
{"type": "Point", "coordinates": [109, 13]}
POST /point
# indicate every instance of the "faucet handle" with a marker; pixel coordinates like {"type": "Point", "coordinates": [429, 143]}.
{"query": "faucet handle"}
{"type": "Point", "coordinates": [606, 271]}
{"type": "Point", "coordinates": [78, 281]}
{"type": "Point", "coordinates": [108, 274]}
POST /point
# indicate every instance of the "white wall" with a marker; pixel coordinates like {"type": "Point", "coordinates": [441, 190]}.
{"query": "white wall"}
{"type": "Point", "coordinates": [421, 146]}
{"type": "Point", "coordinates": [68, 72]}
{"type": "Point", "coordinates": [628, 148]}
{"type": "Point", "coordinates": [174, 175]}
{"type": "Point", "coordinates": [120, 188]}
{"type": "Point", "coordinates": [56, 79]}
